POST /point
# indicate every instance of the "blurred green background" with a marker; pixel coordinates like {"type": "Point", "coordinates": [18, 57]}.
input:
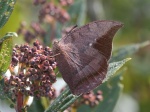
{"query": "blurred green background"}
{"type": "Point", "coordinates": [135, 14]}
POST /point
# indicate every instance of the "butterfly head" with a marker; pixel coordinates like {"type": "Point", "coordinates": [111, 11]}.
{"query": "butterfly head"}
{"type": "Point", "coordinates": [56, 47]}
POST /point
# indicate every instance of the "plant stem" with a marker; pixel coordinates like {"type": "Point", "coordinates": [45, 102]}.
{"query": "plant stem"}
{"type": "Point", "coordinates": [19, 105]}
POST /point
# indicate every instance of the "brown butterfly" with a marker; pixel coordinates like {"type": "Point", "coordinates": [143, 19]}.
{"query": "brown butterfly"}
{"type": "Point", "coordinates": [84, 53]}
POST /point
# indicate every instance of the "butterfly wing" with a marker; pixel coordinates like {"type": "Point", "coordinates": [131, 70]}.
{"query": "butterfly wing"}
{"type": "Point", "coordinates": [85, 52]}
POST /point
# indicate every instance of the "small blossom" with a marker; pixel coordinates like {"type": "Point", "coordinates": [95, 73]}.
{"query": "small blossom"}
{"type": "Point", "coordinates": [92, 99]}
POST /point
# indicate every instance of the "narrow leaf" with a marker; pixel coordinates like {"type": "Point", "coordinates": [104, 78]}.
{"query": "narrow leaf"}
{"type": "Point", "coordinates": [78, 11]}
{"type": "Point", "coordinates": [128, 50]}
{"type": "Point", "coordinates": [8, 35]}
{"type": "Point", "coordinates": [2, 96]}
{"type": "Point", "coordinates": [5, 95]}
{"type": "Point", "coordinates": [36, 106]}
{"type": "Point", "coordinates": [63, 101]}
{"type": "Point", "coordinates": [6, 8]}
{"type": "Point", "coordinates": [82, 13]}
{"type": "Point", "coordinates": [59, 30]}
{"type": "Point", "coordinates": [114, 67]}
{"type": "Point", "coordinates": [6, 46]}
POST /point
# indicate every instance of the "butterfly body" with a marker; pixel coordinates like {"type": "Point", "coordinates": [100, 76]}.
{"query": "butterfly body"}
{"type": "Point", "coordinates": [84, 55]}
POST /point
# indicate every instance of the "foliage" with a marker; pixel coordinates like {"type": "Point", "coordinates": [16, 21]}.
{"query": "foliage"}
{"type": "Point", "coordinates": [6, 46]}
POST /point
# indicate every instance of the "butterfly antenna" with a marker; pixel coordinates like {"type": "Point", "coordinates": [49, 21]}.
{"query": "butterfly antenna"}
{"type": "Point", "coordinates": [68, 33]}
{"type": "Point", "coordinates": [72, 29]}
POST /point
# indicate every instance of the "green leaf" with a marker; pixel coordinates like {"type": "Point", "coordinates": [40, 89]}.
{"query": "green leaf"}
{"type": "Point", "coordinates": [5, 95]}
{"type": "Point", "coordinates": [128, 50]}
{"type": "Point", "coordinates": [82, 13]}
{"type": "Point", "coordinates": [59, 30]}
{"type": "Point", "coordinates": [36, 106]}
{"type": "Point", "coordinates": [6, 46]}
{"type": "Point", "coordinates": [111, 92]}
{"type": "Point", "coordinates": [6, 8]}
{"type": "Point", "coordinates": [63, 101]}
{"type": "Point", "coordinates": [78, 11]}
{"type": "Point", "coordinates": [114, 67]}
{"type": "Point", "coordinates": [2, 96]}
{"type": "Point", "coordinates": [7, 36]}
{"type": "Point", "coordinates": [66, 98]}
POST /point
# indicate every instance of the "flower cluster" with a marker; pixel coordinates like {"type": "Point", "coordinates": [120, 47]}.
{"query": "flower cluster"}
{"type": "Point", "coordinates": [91, 98]}
{"type": "Point", "coordinates": [36, 31]}
{"type": "Point", "coordinates": [49, 12]}
{"type": "Point", "coordinates": [35, 74]}
{"type": "Point", "coordinates": [62, 2]}
{"type": "Point", "coordinates": [66, 2]}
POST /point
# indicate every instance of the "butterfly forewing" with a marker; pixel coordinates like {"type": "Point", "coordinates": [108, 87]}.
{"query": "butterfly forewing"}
{"type": "Point", "coordinates": [84, 55]}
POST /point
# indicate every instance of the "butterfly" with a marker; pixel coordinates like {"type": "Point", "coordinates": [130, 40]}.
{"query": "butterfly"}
{"type": "Point", "coordinates": [83, 55]}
